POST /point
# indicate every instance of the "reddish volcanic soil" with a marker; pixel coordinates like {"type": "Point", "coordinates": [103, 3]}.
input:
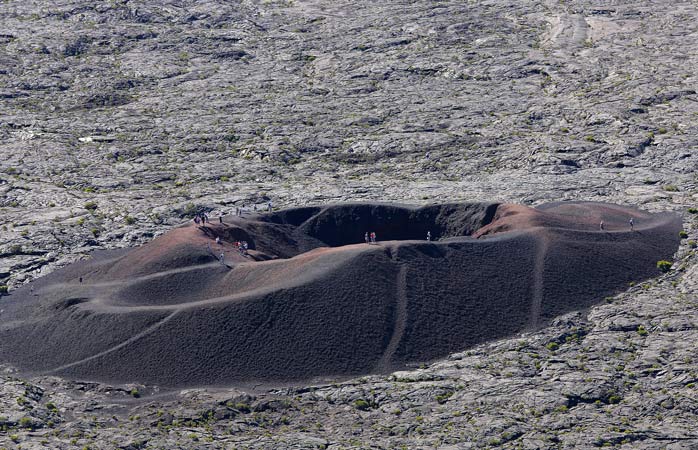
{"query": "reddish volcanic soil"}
{"type": "Point", "coordinates": [310, 299]}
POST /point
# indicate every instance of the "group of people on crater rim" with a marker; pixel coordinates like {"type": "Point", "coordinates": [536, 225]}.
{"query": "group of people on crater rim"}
{"type": "Point", "coordinates": [201, 218]}
{"type": "Point", "coordinates": [240, 246]}
{"type": "Point", "coordinates": [241, 209]}
{"type": "Point", "coordinates": [370, 238]}
{"type": "Point", "coordinates": [631, 222]}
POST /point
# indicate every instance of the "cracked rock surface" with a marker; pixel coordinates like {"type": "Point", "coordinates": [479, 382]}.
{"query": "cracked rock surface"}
{"type": "Point", "coordinates": [121, 118]}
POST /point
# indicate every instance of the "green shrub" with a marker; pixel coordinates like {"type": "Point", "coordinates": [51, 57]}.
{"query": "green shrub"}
{"type": "Point", "coordinates": [129, 220]}
{"type": "Point", "coordinates": [614, 399]}
{"type": "Point", "coordinates": [242, 407]}
{"type": "Point", "coordinates": [4, 289]}
{"type": "Point", "coordinates": [642, 331]}
{"type": "Point", "coordinates": [692, 244]}
{"type": "Point", "coordinates": [362, 405]}
{"type": "Point", "coordinates": [664, 265]}
{"type": "Point", "coordinates": [693, 210]}
{"type": "Point", "coordinates": [443, 398]}
{"type": "Point", "coordinates": [26, 422]}
{"type": "Point", "coordinates": [552, 346]}
{"type": "Point", "coordinates": [671, 188]}
{"type": "Point", "coordinates": [90, 206]}
{"type": "Point", "coordinates": [683, 234]}
{"type": "Point", "coordinates": [95, 232]}
{"type": "Point", "coordinates": [190, 210]}
{"type": "Point", "coordinates": [134, 393]}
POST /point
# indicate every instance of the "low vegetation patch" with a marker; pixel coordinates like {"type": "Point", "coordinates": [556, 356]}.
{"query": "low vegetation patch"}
{"type": "Point", "coordinates": [664, 265]}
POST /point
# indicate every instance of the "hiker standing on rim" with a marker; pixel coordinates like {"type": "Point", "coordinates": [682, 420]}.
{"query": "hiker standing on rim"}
{"type": "Point", "coordinates": [428, 235]}
{"type": "Point", "coordinates": [373, 237]}
{"type": "Point", "coordinates": [366, 238]}
{"type": "Point", "coordinates": [601, 226]}
{"type": "Point", "coordinates": [632, 224]}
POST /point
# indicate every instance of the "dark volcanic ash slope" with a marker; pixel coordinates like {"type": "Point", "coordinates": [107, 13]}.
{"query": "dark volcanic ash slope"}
{"type": "Point", "coordinates": [310, 301]}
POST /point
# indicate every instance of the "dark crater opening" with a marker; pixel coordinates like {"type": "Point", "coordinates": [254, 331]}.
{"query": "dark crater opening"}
{"type": "Point", "coordinates": [346, 224]}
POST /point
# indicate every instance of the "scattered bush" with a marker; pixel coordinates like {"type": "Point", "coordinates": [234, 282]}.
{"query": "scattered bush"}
{"type": "Point", "coordinates": [642, 331]}
{"type": "Point", "coordinates": [242, 407]}
{"type": "Point", "coordinates": [90, 206]}
{"type": "Point", "coordinates": [362, 405]}
{"type": "Point", "coordinates": [693, 210]}
{"type": "Point", "coordinates": [614, 399]}
{"type": "Point", "coordinates": [134, 393]}
{"type": "Point", "coordinates": [443, 398]}
{"type": "Point", "coordinates": [4, 290]}
{"type": "Point", "coordinates": [129, 220]}
{"type": "Point", "coordinates": [671, 188]}
{"type": "Point", "coordinates": [664, 265]}
{"type": "Point", "coordinates": [190, 210]}
{"type": "Point", "coordinates": [692, 244]}
{"type": "Point", "coordinates": [552, 346]}
{"type": "Point", "coordinates": [26, 422]}
{"type": "Point", "coordinates": [683, 234]}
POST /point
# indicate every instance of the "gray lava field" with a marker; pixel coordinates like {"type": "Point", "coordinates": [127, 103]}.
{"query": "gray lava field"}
{"type": "Point", "coordinates": [121, 119]}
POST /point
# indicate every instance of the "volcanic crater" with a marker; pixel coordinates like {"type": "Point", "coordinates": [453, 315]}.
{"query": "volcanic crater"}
{"type": "Point", "coordinates": [310, 299]}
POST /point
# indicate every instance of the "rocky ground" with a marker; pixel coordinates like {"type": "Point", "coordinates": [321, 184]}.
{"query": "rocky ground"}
{"type": "Point", "coordinates": [120, 118]}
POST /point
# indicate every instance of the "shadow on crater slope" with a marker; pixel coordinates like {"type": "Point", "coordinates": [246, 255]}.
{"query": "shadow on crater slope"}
{"type": "Point", "coordinates": [310, 299]}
